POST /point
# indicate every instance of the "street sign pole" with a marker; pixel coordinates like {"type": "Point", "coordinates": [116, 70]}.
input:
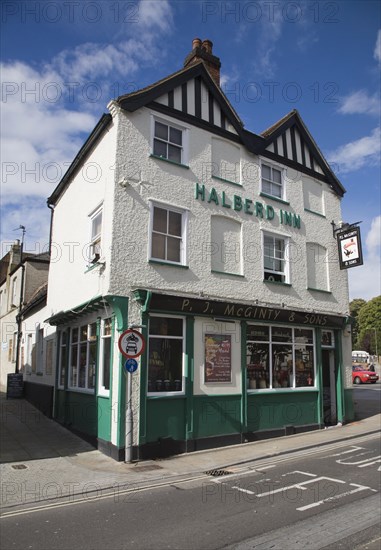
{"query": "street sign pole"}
{"type": "Point", "coordinates": [129, 420]}
{"type": "Point", "coordinates": [131, 344]}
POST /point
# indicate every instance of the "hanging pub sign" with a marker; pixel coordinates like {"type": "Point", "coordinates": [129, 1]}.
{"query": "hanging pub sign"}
{"type": "Point", "coordinates": [350, 251]}
{"type": "Point", "coordinates": [218, 365]}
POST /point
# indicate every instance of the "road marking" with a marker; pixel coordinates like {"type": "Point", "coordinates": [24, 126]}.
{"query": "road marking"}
{"type": "Point", "coordinates": [298, 472]}
{"type": "Point", "coordinates": [300, 485]}
{"type": "Point", "coordinates": [371, 463]}
{"type": "Point", "coordinates": [351, 450]}
{"type": "Point", "coordinates": [336, 497]}
{"type": "Point", "coordinates": [244, 490]}
{"type": "Point", "coordinates": [358, 462]}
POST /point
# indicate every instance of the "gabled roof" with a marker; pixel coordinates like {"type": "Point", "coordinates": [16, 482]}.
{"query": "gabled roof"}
{"type": "Point", "coordinates": [177, 91]}
{"type": "Point", "coordinates": [289, 141]}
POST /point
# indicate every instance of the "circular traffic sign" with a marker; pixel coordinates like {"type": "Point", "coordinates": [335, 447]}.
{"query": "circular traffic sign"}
{"type": "Point", "coordinates": [131, 343]}
{"type": "Point", "coordinates": [131, 365]}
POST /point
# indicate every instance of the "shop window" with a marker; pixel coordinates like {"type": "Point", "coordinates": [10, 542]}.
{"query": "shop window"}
{"type": "Point", "coordinates": [226, 245]}
{"type": "Point", "coordinates": [275, 259]}
{"type": "Point", "coordinates": [168, 234]}
{"type": "Point", "coordinates": [280, 357]}
{"type": "Point", "coordinates": [49, 357]}
{"type": "Point", "coordinates": [225, 161]}
{"type": "Point", "coordinates": [96, 230]}
{"type": "Point", "coordinates": [105, 357]}
{"type": "Point", "coordinates": [271, 181]}
{"type": "Point", "coordinates": [166, 355]}
{"type": "Point", "coordinates": [317, 267]}
{"type": "Point", "coordinates": [168, 142]}
{"type": "Point", "coordinates": [83, 357]}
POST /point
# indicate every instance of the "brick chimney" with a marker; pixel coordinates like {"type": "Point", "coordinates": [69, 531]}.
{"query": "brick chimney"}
{"type": "Point", "coordinates": [203, 50]}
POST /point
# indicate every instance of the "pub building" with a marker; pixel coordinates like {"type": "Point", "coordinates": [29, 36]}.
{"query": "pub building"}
{"type": "Point", "coordinates": [217, 244]}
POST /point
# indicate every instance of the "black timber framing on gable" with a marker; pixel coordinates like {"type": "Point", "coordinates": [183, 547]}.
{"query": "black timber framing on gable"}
{"type": "Point", "coordinates": [292, 121]}
{"type": "Point", "coordinates": [199, 73]}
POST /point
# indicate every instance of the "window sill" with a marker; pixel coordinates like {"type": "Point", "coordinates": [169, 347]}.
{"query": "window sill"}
{"type": "Point", "coordinates": [282, 390]}
{"type": "Point", "coordinates": [171, 395]}
{"type": "Point", "coordinates": [90, 267]}
{"type": "Point", "coordinates": [277, 199]}
{"type": "Point", "coordinates": [227, 181]}
{"type": "Point", "coordinates": [316, 213]}
{"type": "Point", "coordinates": [276, 283]}
{"type": "Point", "coordinates": [170, 161]}
{"type": "Point", "coordinates": [168, 264]}
{"type": "Point", "coordinates": [319, 290]}
{"type": "Point", "coordinates": [81, 390]}
{"type": "Point", "coordinates": [227, 273]}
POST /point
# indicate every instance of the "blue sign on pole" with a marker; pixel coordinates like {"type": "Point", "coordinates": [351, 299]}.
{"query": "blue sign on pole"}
{"type": "Point", "coordinates": [131, 365]}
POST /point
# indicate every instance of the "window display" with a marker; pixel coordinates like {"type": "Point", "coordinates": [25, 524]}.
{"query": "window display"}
{"type": "Point", "coordinates": [165, 362]}
{"type": "Point", "coordinates": [279, 357]}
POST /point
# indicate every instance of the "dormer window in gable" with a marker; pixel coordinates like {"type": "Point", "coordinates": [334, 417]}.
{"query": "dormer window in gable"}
{"type": "Point", "coordinates": [169, 141]}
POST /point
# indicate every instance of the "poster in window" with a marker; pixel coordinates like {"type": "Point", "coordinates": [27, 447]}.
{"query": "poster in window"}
{"type": "Point", "coordinates": [218, 365]}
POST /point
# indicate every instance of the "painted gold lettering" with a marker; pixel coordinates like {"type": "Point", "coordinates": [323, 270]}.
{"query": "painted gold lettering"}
{"type": "Point", "coordinates": [262, 314]}
{"type": "Point", "coordinates": [248, 311]}
{"type": "Point", "coordinates": [276, 314]}
{"type": "Point", "coordinates": [206, 307]}
{"type": "Point", "coordinates": [239, 312]}
{"type": "Point", "coordinates": [229, 310]}
{"type": "Point", "coordinates": [185, 304]}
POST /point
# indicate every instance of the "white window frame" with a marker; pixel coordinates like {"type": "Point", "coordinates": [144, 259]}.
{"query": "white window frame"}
{"type": "Point", "coordinates": [40, 350]}
{"type": "Point", "coordinates": [66, 366]}
{"type": "Point", "coordinates": [184, 140]}
{"type": "Point", "coordinates": [14, 292]}
{"type": "Point", "coordinates": [183, 338]}
{"type": "Point", "coordinates": [102, 390]}
{"type": "Point", "coordinates": [184, 232]}
{"type": "Point", "coordinates": [29, 348]}
{"type": "Point", "coordinates": [286, 259]}
{"type": "Point", "coordinates": [96, 239]}
{"type": "Point", "coordinates": [76, 387]}
{"type": "Point", "coordinates": [282, 186]}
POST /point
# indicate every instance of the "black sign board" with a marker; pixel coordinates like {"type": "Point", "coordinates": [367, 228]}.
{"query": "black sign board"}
{"type": "Point", "coordinates": [15, 385]}
{"type": "Point", "coordinates": [246, 312]}
{"type": "Point", "coordinates": [350, 251]}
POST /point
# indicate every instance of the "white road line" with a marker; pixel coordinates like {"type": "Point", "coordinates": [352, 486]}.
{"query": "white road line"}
{"type": "Point", "coordinates": [244, 490]}
{"type": "Point", "coordinates": [298, 472]}
{"type": "Point", "coordinates": [300, 485]}
{"type": "Point", "coordinates": [370, 463]}
{"type": "Point", "coordinates": [358, 462]}
{"type": "Point", "coordinates": [336, 497]}
{"type": "Point", "coordinates": [351, 450]}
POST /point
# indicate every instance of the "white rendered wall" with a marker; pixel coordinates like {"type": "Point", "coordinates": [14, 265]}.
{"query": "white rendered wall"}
{"type": "Point", "coordinates": [71, 282]}
{"type": "Point", "coordinates": [175, 185]}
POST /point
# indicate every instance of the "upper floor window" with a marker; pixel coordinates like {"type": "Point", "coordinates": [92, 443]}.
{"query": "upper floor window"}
{"type": "Point", "coordinates": [168, 234]}
{"type": "Point", "coordinates": [14, 292]}
{"type": "Point", "coordinates": [274, 258]}
{"type": "Point", "coordinates": [272, 181]}
{"type": "Point", "coordinates": [168, 142]}
{"type": "Point", "coordinates": [96, 230]}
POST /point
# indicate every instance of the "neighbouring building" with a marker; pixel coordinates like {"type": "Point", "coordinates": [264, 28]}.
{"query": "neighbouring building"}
{"type": "Point", "coordinates": [218, 242]}
{"type": "Point", "coordinates": [22, 273]}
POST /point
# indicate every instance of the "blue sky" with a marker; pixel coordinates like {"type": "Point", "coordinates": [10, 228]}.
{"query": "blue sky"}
{"type": "Point", "coordinates": [63, 61]}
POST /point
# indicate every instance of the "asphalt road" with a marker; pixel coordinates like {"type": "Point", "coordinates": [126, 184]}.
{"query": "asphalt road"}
{"type": "Point", "coordinates": [367, 400]}
{"type": "Point", "coordinates": [314, 499]}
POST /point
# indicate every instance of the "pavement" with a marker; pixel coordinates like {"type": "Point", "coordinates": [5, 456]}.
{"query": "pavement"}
{"type": "Point", "coordinates": [42, 461]}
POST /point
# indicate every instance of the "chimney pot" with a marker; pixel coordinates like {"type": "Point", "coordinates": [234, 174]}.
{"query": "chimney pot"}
{"type": "Point", "coordinates": [207, 45]}
{"type": "Point", "coordinates": [196, 43]}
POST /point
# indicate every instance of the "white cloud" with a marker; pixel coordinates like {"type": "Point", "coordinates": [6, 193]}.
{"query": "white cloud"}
{"type": "Point", "coordinates": [357, 154]}
{"type": "Point", "coordinates": [360, 102]}
{"type": "Point", "coordinates": [268, 37]}
{"type": "Point", "coordinates": [155, 15]}
{"type": "Point", "coordinates": [365, 281]}
{"type": "Point", "coordinates": [377, 48]}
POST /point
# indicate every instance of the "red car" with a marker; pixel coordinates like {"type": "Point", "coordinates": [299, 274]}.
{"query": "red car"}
{"type": "Point", "coordinates": [363, 376]}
